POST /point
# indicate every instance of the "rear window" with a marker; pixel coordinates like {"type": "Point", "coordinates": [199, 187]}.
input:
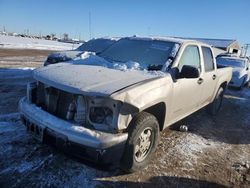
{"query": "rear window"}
{"type": "Point", "coordinates": [208, 59]}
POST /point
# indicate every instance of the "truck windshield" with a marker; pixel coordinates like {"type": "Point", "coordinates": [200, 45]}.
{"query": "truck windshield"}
{"type": "Point", "coordinates": [148, 53]}
{"type": "Point", "coordinates": [231, 62]}
{"type": "Point", "coordinates": [96, 45]}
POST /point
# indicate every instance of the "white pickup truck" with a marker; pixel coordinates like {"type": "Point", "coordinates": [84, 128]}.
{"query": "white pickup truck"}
{"type": "Point", "coordinates": [110, 107]}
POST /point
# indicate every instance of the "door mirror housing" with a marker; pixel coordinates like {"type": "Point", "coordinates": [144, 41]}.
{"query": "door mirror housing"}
{"type": "Point", "coordinates": [188, 71]}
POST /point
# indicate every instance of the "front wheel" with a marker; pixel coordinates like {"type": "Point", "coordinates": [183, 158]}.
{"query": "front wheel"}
{"type": "Point", "coordinates": [142, 142]}
{"type": "Point", "coordinates": [215, 106]}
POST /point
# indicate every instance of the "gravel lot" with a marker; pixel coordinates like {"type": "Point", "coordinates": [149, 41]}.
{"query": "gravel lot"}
{"type": "Point", "coordinates": [213, 153]}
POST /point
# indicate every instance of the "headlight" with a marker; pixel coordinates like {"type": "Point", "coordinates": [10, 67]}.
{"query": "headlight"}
{"type": "Point", "coordinates": [101, 115]}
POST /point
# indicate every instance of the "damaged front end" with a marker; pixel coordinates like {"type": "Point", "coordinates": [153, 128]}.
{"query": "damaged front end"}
{"type": "Point", "coordinates": [84, 126]}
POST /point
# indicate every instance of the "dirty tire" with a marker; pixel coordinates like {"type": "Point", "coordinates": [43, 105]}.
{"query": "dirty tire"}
{"type": "Point", "coordinates": [215, 106]}
{"type": "Point", "coordinates": [141, 125]}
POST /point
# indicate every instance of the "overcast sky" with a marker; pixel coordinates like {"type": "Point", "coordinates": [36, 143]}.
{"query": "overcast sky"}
{"type": "Point", "coordinates": [187, 18]}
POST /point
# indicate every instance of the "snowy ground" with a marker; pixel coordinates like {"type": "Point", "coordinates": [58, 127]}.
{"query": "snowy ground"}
{"type": "Point", "coordinates": [214, 153]}
{"type": "Point", "coordinates": [11, 42]}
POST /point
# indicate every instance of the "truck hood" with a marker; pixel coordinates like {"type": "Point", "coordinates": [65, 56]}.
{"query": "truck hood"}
{"type": "Point", "coordinates": [89, 79]}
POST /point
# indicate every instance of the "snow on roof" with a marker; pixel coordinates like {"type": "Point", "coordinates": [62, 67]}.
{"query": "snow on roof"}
{"type": "Point", "coordinates": [171, 39]}
{"type": "Point", "coordinates": [219, 43]}
{"type": "Point", "coordinates": [107, 38]}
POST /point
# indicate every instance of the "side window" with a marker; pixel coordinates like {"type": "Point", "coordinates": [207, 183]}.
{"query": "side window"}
{"type": "Point", "coordinates": [191, 57]}
{"type": "Point", "coordinates": [208, 59]}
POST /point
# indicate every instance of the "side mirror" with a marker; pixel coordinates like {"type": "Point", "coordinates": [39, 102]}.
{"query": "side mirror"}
{"type": "Point", "coordinates": [175, 73]}
{"type": "Point", "coordinates": [188, 71]}
{"type": "Point", "coordinates": [247, 68]}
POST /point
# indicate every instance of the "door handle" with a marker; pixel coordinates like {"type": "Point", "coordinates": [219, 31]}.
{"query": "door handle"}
{"type": "Point", "coordinates": [214, 77]}
{"type": "Point", "coordinates": [200, 81]}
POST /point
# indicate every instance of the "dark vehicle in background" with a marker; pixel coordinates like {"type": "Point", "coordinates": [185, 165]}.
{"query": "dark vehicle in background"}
{"type": "Point", "coordinates": [94, 45]}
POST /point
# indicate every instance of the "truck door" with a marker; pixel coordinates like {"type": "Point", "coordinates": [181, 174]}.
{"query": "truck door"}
{"type": "Point", "coordinates": [209, 76]}
{"type": "Point", "coordinates": [187, 91]}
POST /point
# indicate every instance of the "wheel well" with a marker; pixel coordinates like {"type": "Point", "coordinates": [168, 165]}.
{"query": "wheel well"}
{"type": "Point", "coordinates": [159, 111]}
{"type": "Point", "coordinates": [224, 85]}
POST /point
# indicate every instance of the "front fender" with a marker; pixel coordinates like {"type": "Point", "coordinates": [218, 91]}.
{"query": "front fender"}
{"type": "Point", "coordinates": [142, 96]}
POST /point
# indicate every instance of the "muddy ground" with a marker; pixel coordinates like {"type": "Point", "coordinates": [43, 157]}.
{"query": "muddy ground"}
{"type": "Point", "coordinates": [215, 152]}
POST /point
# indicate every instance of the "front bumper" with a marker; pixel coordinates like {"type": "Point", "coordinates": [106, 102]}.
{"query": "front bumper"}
{"type": "Point", "coordinates": [89, 144]}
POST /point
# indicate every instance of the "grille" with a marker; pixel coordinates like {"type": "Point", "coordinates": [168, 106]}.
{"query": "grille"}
{"type": "Point", "coordinates": [80, 115]}
{"type": "Point", "coordinates": [57, 102]}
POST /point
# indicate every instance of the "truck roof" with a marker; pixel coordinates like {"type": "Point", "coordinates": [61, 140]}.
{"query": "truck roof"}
{"type": "Point", "coordinates": [168, 39]}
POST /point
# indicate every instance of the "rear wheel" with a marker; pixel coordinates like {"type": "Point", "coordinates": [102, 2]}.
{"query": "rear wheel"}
{"type": "Point", "coordinates": [215, 106]}
{"type": "Point", "coordinates": [142, 142]}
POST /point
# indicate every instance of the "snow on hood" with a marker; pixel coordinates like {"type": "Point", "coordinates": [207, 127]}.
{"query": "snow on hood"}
{"type": "Point", "coordinates": [89, 79]}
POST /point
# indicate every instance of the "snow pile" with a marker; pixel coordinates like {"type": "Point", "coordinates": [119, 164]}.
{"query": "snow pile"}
{"type": "Point", "coordinates": [190, 148]}
{"type": "Point", "coordinates": [87, 54]}
{"type": "Point", "coordinates": [130, 65]}
{"type": "Point", "coordinates": [30, 43]}
{"type": "Point", "coordinates": [90, 58]}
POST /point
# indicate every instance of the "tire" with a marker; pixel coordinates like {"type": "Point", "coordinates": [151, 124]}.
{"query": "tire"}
{"type": "Point", "coordinates": [133, 158]}
{"type": "Point", "coordinates": [215, 106]}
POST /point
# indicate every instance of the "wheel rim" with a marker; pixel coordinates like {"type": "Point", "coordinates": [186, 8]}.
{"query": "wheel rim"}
{"type": "Point", "coordinates": [143, 144]}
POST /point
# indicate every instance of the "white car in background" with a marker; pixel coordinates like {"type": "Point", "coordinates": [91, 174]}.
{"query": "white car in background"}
{"type": "Point", "coordinates": [241, 69]}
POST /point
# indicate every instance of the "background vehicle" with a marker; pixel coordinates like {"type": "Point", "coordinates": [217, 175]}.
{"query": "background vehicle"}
{"type": "Point", "coordinates": [241, 69]}
{"type": "Point", "coordinates": [115, 115]}
{"type": "Point", "coordinates": [94, 45]}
